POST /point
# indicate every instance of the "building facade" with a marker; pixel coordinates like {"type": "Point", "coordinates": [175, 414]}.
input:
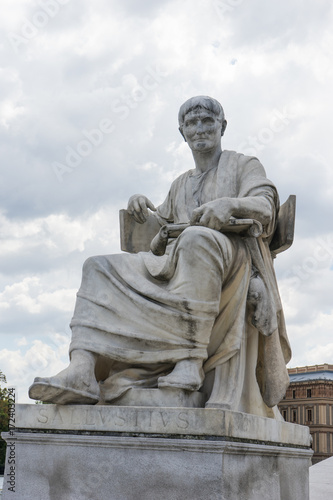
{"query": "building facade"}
{"type": "Point", "coordinates": [309, 401]}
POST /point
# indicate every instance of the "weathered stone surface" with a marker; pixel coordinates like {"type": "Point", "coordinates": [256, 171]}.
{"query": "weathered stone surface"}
{"type": "Point", "coordinates": [94, 467]}
{"type": "Point", "coordinates": [165, 421]}
{"type": "Point", "coordinates": [131, 453]}
{"type": "Point", "coordinates": [162, 398]}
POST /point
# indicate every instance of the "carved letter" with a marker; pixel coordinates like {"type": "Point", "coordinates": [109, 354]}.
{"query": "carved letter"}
{"type": "Point", "coordinates": [43, 418]}
{"type": "Point", "coordinates": [183, 417]}
{"type": "Point", "coordinates": [121, 420]}
{"type": "Point", "coordinates": [164, 419]}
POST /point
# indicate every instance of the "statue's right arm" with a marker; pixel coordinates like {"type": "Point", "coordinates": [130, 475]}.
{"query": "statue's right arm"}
{"type": "Point", "coordinates": [138, 206]}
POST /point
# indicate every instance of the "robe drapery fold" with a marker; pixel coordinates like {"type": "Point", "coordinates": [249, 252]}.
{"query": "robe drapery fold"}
{"type": "Point", "coordinates": [142, 313]}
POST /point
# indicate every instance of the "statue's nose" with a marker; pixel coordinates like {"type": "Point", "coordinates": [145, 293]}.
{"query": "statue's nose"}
{"type": "Point", "coordinates": [200, 128]}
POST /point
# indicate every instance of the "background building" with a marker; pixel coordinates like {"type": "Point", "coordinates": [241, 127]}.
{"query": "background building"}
{"type": "Point", "coordinates": [309, 401]}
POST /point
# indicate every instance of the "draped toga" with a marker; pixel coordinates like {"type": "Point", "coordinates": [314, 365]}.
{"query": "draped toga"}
{"type": "Point", "coordinates": [212, 296]}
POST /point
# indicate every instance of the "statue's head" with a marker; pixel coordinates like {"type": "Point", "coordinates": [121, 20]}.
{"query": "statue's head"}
{"type": "Point", "coordinates": [203, 102]}
{"type": "Point", "coordinates": [213, 118]}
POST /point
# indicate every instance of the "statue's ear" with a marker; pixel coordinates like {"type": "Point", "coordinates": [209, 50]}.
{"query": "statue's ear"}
{"type": "Point", "coordinates": [181, 131]}
{"type": "Point", "coordinates": [224, 126]}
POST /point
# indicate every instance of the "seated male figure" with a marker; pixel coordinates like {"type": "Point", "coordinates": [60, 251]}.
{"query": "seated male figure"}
{"type": "Point", "coordinates": [206, 315]}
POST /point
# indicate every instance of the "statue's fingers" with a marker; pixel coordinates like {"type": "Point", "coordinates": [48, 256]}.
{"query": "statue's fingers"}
{"type": "Point", "coordinates": [130, 207]}
{"type": "Point", "coordinates": [136, 206]}
{"type": "Point", "coordinates": [212, 224]}
{"type": "Point", "coordinates": [139, 217]}
{"type": "Point", "coordinates": [136, 218]}
{"type": "Point", "coordinates": [196, 216]}
{"type": "Point", "coordinates": [150, 205]}
{"type": "Point", "coordinates": [205, 220]}
{"type": "Point", "coordinates": [143, 216]}
{"type": "Point", "coordinates": [143, 207]}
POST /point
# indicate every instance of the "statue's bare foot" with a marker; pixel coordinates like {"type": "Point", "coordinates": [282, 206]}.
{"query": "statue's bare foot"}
{"type": "Point", "coordinates": [74, 385]}
{"type": "Point", "coordinates": [187, 374]}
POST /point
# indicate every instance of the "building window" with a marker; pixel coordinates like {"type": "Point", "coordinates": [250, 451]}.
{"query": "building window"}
{"type": "Point", "coordinates": [309, 415]}
{"type": "Point", "coordinates": [284, 414]}
{"type": "Point", "coordinates": [308, 393]}
{"type": "Point", "coordinates": [294, 394]}
{"type": "Point", "coordinates": [294, 415]}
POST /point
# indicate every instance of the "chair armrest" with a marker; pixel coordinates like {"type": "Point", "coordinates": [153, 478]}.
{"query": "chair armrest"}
{"type": "Point", "coordinates": [284, 232]}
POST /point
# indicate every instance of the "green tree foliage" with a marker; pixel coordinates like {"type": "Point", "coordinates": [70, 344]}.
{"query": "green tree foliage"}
{"type": "Point", "coordinates": [3, 417]}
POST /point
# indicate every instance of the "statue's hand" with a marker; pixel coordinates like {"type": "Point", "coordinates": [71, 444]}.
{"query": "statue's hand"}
{"type": "Point", "coordinates": [138, 205]}
{"type": "Point", "coordinates": [214, 214]}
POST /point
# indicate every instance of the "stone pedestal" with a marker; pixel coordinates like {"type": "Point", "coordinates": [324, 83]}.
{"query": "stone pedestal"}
{"type": "Point", "coordinates": [137, 453]}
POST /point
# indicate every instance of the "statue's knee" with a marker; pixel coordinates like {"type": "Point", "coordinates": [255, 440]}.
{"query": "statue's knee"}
{"type": "Point", "coordinates": [195, 236]}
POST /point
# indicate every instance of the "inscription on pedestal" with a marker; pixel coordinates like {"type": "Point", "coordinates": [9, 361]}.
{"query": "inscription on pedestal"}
{"type": "Point", "coordinates": [118, 418]}
{"type": "Point", "coordinates": [157, 420]}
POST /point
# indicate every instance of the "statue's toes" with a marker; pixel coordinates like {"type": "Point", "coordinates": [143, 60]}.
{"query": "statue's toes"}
{"type": "Point", "coordinates": [43, 380]}
{"type": "Point", "coordinates": [53, 390]}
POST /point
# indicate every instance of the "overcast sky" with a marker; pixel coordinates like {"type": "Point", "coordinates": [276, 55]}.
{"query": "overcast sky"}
{"type": "Point", "coordinates": [90, 93]}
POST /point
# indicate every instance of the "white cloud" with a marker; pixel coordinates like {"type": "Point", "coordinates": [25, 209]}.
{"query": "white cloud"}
{"type": "Point", "coordinates": [40, 359]}
{"type": "Point", "coordinates": [22, 342]}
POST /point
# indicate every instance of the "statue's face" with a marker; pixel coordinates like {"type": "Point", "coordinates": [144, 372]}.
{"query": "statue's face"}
{"type": "Point", "coordinates": [202, 130]}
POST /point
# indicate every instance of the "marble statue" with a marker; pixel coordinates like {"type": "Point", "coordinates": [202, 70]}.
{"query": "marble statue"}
{"type": "Point", "coordinates": [202, 314]}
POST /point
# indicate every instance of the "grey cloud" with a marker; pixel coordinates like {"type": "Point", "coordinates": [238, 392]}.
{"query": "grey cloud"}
{"type": "Point", "coordinates": [270, 25]}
